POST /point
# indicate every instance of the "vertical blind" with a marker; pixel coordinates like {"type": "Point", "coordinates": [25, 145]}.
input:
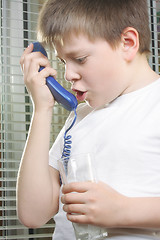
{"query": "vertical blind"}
{"type": "Point", "coordinates": [18, 29]}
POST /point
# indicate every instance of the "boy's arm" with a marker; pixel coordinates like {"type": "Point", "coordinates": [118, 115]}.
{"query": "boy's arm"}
{"type": "Point", "coordinates": [37, 183]}
{"type": "Point", "coordinates": [99, 204]}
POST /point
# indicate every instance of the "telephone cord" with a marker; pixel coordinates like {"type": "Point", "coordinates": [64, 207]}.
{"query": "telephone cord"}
{"type": "Point", "coordinates": [68, 144]}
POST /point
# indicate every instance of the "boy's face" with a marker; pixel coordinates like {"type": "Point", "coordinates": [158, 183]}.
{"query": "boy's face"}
{"type": "Point", "coordinates": [94, 69]}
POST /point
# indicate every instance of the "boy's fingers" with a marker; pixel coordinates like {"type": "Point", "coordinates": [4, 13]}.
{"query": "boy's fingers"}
{"type": "Point", "coordinates": [77, 218]}
{"type": "Point", "coordinates": [48, 71]}
{"type": "Point", "coordinates": [77, 187]}
{"type": "Point", "coordinates": [73, 198]}
{"type": "Point", "coordinates": [28, 50]}
{"type": "Point", "coordinates": [75, 208]}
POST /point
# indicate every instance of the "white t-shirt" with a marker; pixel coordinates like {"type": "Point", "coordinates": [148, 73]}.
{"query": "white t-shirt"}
{"type": "Point", "coordinates": [124, 137]}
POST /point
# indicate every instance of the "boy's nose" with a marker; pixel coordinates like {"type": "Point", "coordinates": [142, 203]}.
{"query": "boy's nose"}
{"type": "Point", "coordinates": [71, 75]}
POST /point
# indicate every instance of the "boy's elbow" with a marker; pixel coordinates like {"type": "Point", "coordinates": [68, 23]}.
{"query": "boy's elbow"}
{"type": "Point", "coordinates": [28, 221]}
{"type": "Point", "coordinates": [31, 219]}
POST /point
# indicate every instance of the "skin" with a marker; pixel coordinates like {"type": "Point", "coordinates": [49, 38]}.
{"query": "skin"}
{"type": "Point", "coordinates": [37, 183]}
{"type": "Point", "coordinates": [103, 74]}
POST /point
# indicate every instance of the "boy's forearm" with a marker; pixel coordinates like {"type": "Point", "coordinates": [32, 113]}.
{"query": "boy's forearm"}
{"type": "Point", "coordinates": [36, 201]}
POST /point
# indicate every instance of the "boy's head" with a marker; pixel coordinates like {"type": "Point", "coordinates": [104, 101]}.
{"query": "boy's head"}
{"type": "Point", "coordinates": [104, 19]}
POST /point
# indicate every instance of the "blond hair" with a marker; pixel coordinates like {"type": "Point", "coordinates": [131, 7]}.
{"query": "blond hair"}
{"type": "Point", "coordinates": [96, 18]}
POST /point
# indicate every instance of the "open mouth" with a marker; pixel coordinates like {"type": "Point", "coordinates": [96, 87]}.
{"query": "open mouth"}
{"type": "Point", "coordinates": [80, 95]}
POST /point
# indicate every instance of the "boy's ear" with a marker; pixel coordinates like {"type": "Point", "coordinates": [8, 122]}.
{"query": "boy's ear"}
{"type": "Point", "coordinates": [130, 43]}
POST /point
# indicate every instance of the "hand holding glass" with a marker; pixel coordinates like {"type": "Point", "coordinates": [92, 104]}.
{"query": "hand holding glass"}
{"type": "Point", "coordinates": [80, 168]}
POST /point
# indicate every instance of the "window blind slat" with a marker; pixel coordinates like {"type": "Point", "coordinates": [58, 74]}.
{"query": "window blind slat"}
{"type": "Point", "coordinates": [18, 24]}
{"type": "Point", "coordinates": [22, 227]}
{"type": "Point", "coordinates": [27, 236]}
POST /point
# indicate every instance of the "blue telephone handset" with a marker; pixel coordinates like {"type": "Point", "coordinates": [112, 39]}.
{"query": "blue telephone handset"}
{"type": "Point", "coordinates": [61, 95]}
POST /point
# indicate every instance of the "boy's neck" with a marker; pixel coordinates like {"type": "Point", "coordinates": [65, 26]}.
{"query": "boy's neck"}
{"type": "Point", "coordinates": [140, 74]}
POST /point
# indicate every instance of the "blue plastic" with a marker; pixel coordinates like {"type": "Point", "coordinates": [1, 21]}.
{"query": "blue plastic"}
{"type": "Point", "coordinates": [66, 99]}
{"type": "Point", "coordinates": [61, 95]}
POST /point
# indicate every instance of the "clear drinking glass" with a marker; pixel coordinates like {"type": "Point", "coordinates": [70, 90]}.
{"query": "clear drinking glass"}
{"type": "Point", "coordinates": [80, 168]}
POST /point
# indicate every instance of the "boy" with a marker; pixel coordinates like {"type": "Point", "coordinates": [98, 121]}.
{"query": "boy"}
{"type": "Point", "coordinates": [104, 45]}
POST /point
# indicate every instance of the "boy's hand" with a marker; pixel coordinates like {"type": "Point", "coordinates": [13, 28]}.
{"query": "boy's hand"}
{"type": "Point", "coordinates": [93, 203]}
{"type": "Point", "coordinates": [36, 81]}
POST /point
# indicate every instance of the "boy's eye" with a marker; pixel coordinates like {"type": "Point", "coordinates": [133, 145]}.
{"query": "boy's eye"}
{"type": "Point", "coordinates": [81, 60]}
